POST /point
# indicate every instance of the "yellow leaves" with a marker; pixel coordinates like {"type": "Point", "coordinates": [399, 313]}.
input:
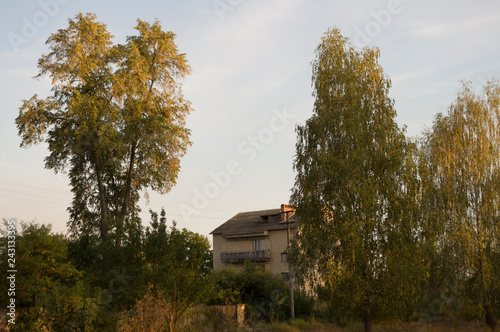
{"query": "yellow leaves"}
{"type": "Point", "coordinates": [108, 102]}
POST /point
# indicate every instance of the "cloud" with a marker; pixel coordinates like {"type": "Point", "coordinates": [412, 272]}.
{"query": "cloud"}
{"type": "Point", "coordinates": [455, 29]}
{"type": "Point", "coordinates": [412, 75]}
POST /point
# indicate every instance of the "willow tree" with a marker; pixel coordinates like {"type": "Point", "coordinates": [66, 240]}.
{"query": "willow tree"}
{"type": "Point", "coordinates": [462, 151]}
{"type": "Point", "coordinates": [356, 187]}
{"type": "Point", "coordinates": [115, 119]}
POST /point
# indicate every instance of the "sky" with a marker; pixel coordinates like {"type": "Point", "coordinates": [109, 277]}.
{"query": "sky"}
{"type": "Point", "coordinates": [250, 87]}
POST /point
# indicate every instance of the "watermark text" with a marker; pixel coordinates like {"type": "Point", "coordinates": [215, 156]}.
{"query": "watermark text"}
{"type": "Point", "coordinates": [11, 271]}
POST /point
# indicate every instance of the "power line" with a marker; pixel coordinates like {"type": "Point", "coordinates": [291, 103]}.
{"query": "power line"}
{"type": "Point", "coordinates": [34, 187]}
{"type": "Point", "coordinates": [219, 208]}
{"type": "Point", "coordinates": [33, 200]}
{"type": "Point", "coordinates": [31, 194]}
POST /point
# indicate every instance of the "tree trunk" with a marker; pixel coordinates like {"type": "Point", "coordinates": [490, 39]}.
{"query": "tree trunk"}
{"type": "Point", "coordinates": [490, 318]}
{"type": "Point", "coordinates": [126, 198]}
{"type": "Point", "coordinates": [488, 310]}
{"type": "Point", "coordinates": [102, 199]}
{"type": "Point", "coordinates": [483, 283]}
{"type": "Point", "coordinates": [367, 317]}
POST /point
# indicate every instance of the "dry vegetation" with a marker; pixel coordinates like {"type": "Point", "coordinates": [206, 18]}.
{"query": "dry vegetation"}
{"type": "Point", "coordinates": [423, 326]}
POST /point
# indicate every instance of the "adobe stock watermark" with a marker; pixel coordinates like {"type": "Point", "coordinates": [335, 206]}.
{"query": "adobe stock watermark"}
{"type": "Point", "coordinates": [32, 25]}
{"type": "Point", "coordinates": [248, 149]}
{"type": "Point", "coordinates": [223, 6]}
{"type": "Point", "coordinates": [11, 271]}
{"type": "Point", "coordinates": [381, 19]}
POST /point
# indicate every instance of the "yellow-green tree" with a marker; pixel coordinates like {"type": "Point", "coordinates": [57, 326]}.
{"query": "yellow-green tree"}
{"type": "Point", "coordinates": [462, 152]}
{"type": "Point", "coordinates": [178, 265]}
{"type": "Point", "coordinates": [48, 289]}
{"type": "Point", "coordinates": [356, 188]}
{"type": "Point", "coordinates": [115, 119]}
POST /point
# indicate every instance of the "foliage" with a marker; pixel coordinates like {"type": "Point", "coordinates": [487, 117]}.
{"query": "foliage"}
{"type": "Point", "coordinates": [265, 294]}
{"type": "Point", "coordinates": [66, 308]}
{"type": "Point", "coordinates": [149, 314]}
{"type": "Point", "coordinates": [44, 276]}
{"type": "Point", "coordinates": [115, 119]}
{"type": "Point", "coordinates": [304, 304]}
{"type": "Point", "coordinates": [356, 187]}
{"type": "Point", "coordinates": [388, 228]}
{"type": "Point", "coordinates": [112, 269]}
{"type": "Point", "coordinates": [227, 287]}
{"type": "Point", "coordinates": [178, 265]}
{"type": "Point", "coordinates": [462, 153]}
{"type": "Point", "coordinates": [42, 260]}
{"type": "Point", "coordinates": [55, 296]}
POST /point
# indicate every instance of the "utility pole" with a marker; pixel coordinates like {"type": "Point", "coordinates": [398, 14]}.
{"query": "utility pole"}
{"type": "Point", "coordinates": [290, 281]}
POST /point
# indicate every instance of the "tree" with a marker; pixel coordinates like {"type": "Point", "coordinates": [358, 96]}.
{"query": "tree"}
{"type": "Point", "coordinates": [44, 277]}
{"type": "Point", "coordinates": [356, 184]}
{"type": "Point", "coordinates": [265, 294]}
{"type": "Point", "coordinates": [178, 266]}
{"type": "Point", "coordinates": [116, 119]}
{"type": "Point", "coordinates": [462, 151]}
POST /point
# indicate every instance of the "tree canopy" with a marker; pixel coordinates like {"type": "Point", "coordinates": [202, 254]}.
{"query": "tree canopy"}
{"type": "Point", "coordinates": [462, 153]}
{"type": "Point", "coordinates": [354, 175]}
{"type": "Point", "coordinates": [178, 266]}
{"type": "Point", "coordinates": [115, 119]}
{"type": "Point", "coordinates": [390, 228]}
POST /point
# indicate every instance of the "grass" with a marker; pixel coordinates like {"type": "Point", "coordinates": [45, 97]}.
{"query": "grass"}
{"type": "Point", "coordinates": [299, 325]}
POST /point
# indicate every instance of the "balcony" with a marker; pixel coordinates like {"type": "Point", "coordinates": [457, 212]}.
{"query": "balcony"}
{"type": "Point", "coordinates": [245, 256]}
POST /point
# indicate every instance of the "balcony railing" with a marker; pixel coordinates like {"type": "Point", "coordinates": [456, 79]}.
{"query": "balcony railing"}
{"type": "Point", "coordinates": [245, 256]}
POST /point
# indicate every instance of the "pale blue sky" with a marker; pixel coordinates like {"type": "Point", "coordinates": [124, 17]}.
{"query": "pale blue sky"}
{"type": "Point", "coordinates": [250, 86]}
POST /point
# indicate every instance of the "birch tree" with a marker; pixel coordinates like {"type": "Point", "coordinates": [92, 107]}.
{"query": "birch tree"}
{"type": "Point", "coordinates": [462, 151]}
{"type": "Point", "coordinates": [355, 185]}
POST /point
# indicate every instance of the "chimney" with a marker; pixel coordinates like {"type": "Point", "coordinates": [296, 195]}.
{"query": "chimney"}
{"type": "Point", "coordinates": [284, 208]}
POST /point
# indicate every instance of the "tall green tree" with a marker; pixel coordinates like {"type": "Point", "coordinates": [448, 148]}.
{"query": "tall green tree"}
{"type": "Point", "coordinates": [178, 266]}
{"type": "Point", "coordinates": [462, 151]}
{"type": "Point", "coordinates": [356, 185]}
{"type": "Point", "coordinates": [115, 119]}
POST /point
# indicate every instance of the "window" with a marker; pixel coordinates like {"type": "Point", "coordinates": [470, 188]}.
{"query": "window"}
{"type": "Point", "coordinates": [258, 245]}
{"type": "Point", "coordinates": [284, 275]}
{"type": "Point", "coordinates": [284, 257]}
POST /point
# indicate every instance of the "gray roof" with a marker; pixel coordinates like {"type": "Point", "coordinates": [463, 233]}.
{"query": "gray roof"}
{"type": "Point", "coordinates": [252, 223]}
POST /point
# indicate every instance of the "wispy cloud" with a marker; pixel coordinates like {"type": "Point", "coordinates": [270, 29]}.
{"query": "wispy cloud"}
{"type": "Point", "coordinates": [412, 75]}
{"type": "Point", "coordinates": [435, 30]}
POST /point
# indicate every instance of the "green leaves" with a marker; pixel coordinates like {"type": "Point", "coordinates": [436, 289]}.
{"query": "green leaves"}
{"type": "Point", "coordinates": [116, 118]}
{"type": "Point", "coordinates": [355, 178]}
{"type": "Point", "coordinates": [178, 265]}
{"type": "Point", "coordinates": [43, 271]}
{"type": "Point", "coordinates": [462, 152]}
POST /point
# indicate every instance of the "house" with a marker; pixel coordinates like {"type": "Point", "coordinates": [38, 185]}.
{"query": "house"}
{"type": "Point", "coordinates": [255, 236]}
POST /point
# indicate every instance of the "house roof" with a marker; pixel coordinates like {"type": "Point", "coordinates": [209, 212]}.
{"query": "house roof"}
{"type": "Point", "coordinates": [252, 223]}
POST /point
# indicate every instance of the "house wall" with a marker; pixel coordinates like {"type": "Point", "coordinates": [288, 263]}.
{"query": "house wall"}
{"type": "Point", "coordinates": [217, 249]}
{"type": "Point", "coordinates": [278, 243]}
{"type": "Point", "coordinates": [239, 244]}
{"type": "Point", "coordinates": [275, 242]}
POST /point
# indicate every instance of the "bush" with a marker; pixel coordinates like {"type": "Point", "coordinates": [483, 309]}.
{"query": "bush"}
{"type": "Point", "coordinates": [149, 314]}
{"type": "Point", "coordinates": [68, 309]}
{"type": "Point", "coordinates": [304, 304]}
{"type": "Point", "coordinates": [265, 294]}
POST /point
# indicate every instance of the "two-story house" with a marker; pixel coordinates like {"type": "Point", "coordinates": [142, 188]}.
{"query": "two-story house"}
{"type": "Point", "coordinates": [255, 236]}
